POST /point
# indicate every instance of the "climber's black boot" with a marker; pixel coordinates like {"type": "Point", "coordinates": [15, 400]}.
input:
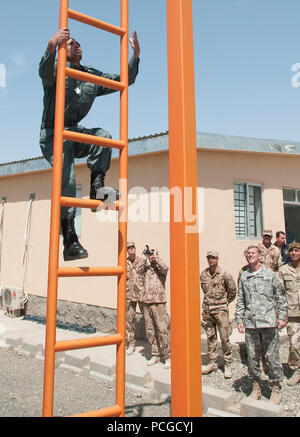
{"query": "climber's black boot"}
{"type": "Point", "coordinates": [100, 192]}
{"type": "Point", "coordinates": [72, 248]}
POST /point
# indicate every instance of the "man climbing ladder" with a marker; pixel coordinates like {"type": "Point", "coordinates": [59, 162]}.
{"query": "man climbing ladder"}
{"type": "Point", "coordinates": [79, 98]}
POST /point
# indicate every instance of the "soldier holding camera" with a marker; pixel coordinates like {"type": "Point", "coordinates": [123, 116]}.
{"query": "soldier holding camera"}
{"type": "Point", "coordinates": [154, 299]}
{"type": "Point", "coordinates": [133, 292]}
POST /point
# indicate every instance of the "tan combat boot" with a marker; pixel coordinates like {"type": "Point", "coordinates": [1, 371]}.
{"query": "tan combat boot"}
{"type": "Point", "coordinates": [295, 378]}
{"type": "Point", "coordinates": [256, 393]}
{"type": "Point", "coordinates": [227, 371]}
{"type": "Point", "coordinates": [276, 395]}
{"type": "Point", "coordinates": [131, 349]}
{"type": "Point", "coordinates": [211, 367]}
{"type": "Point", "coordinates": [168, 363]}
{"type": "Point", "coordinates": [153, 361]}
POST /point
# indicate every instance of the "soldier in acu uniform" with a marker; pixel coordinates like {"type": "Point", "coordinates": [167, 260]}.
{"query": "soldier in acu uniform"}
{"type": "Point", "coordinates": [135, 283]}
{"type": "Point", "coordinates": [290, 276]}
{"type": "Point", "coordinates": [154, 300]}
{"type": "Point", "coordinates": [260, 311]}
{"type": "Point", "coordinates": [271, 258]}
{"type": "Point", "coordinates": [219, 290]}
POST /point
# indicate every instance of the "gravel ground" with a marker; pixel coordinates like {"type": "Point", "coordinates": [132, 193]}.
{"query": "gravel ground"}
{"type": "Point", "coordinates": [21, 392]}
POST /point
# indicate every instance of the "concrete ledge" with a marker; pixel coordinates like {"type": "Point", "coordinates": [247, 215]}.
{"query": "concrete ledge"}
{"type": "Point", "coordinates": [15, 343]}
{"type": "Point", "coordinates": [32, 349]}
{"type": "Point", "coordinates": [213, 412]}
{"type": "Point", "coordinates": [215, 398]}
{"type": "Point", "coordinates": [100, 368]}
{"type": "Point", "coordinates": [255, 408]}
{"type": "Point", "coordinates": [147, 394]}
{"type": "Point", "coordinates": [162, 387]}
{"type": "Point", "coordinates": [135, 379]}
{"type": "Point", "coordinates": [81, 363]}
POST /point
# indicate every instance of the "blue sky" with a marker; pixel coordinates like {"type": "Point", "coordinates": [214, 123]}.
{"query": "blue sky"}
{"type": "Point", "coordinates": [244, 53]}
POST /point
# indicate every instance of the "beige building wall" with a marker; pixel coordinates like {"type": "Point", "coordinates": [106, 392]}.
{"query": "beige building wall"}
{"type": "Point", "coordinates": [217, 171]}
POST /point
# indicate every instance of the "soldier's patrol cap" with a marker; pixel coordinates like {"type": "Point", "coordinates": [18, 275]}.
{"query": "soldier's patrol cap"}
{"type": "Point", "coordinates": [294, 246]}
{"type": "Point", "coordinates": [212, 253]}
{"type": "Point", "coordinates": [130, 244]}
{"type": "Point", "coordinates": [267, 232]}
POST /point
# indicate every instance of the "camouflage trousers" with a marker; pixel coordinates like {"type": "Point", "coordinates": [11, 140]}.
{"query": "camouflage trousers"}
{"type": "Point", "coordinates": [130, 320]}
{"type": "Point", "coordinates": [293, 330]}
{"type": "Point", "coordinates": [156, 324]}
{"type": "Point", "coordinates": [212, 322]}
{"type": "Point", "coordinates": [268, 340]}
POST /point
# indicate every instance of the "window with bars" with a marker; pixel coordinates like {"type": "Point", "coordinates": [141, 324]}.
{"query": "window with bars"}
{"type": "Point", "coordinates": [247, 210]}
{"type": "Point", "coordinates": [291, 195]}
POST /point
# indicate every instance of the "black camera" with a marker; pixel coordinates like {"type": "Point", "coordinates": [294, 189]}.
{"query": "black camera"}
{"type": "Point", "coordinates": [148, 251]}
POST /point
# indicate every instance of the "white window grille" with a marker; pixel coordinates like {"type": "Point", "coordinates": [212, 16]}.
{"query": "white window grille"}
{"type": "Point", "coordinates": [248, 210]}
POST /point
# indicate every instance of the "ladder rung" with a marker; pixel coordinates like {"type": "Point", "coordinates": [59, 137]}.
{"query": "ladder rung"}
{"type": "Point", "coordinates": [92, 139]}
{"type": "Point", "coordinates": [88, 203]}
{"type": "Point", "coordinates": [89, 271]}
{"type": "Point", "coordinates": [78, 16]}
{"type": "Point", "coordinates": [98, 80]}
{"type": "Point", "coordinates": [113, 411]}
{"type": "Point", "coordinates": [82, 343]}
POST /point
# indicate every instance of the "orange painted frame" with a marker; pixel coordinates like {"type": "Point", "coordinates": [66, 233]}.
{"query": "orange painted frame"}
{"type": "Point", "coordinates": [57, 201]}
{"type": "Point", "coordinates": [184, 246]}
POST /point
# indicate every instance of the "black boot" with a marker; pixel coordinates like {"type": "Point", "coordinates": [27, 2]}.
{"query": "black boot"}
{"type": "Point", "coordinates": [72, 248]}
{"type": "Point", "coordinates": [100, 192]}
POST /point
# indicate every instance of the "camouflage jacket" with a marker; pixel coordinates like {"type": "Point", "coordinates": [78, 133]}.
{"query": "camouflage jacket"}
{"type": "Point", "coordinates": [291, 282]}
{"type": "Point", "coordinates": [219, 290]}
{"type": "Point", "coordinates": [154, 281]}
{"type": "Point", "coordinates": [135, 281]}
{"type": "Point", "coordinates": [241, 271]}
{"type": "Point", "coordinates": [271, 256]}
{"type": "Point", "coordinates": [261, 299]}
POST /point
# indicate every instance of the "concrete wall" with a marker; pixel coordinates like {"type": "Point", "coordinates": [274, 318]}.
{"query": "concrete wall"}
{"type": "Point", "coordinates": [217, 171]}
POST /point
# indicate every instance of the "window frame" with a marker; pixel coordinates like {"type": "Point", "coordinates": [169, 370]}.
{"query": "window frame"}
{"type": "Point", "coordinates": [247, 225]}
{"type": "Point", "coordinates": [290, 202]}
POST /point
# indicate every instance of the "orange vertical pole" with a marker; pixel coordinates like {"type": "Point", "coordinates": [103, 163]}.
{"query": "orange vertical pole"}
{"type": "Point", "coordinates": [55, 220]}
{"type": "Point", "coordinates": [122, 236]}
{"type": "Point", "coordinates": [184, 246]}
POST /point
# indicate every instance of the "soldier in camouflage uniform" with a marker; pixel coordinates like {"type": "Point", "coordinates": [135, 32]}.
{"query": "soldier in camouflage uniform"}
{"type": "Point", "coordinates": [261, 310]}
{"type": "Point", "coordinates": [154, 300]}
{"type": "Point", "coordinates": [219, 290]}
{"type": "Point", "coordinates": [133, 293]}
{"type": "Point", "coordinates": [290, 276]}
{"type": "Point", "coordinates": [271, 255]}
{"type": "Point", "coordinates": [271, 258]}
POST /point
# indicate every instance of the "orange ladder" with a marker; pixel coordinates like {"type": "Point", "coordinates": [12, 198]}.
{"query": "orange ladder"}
{"type": "Point", "coordinates": [57, 201]}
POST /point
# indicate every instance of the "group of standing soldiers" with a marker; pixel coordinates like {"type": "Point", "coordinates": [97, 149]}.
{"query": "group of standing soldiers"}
{"type": "Point", "coordinates": [146, 287]}
{"type": "Point", "coordinates": [268, 299]}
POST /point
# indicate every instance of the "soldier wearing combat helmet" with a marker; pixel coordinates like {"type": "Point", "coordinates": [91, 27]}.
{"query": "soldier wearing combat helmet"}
{"type": "Point", "coordinates": [219, 290]}
{"type": "Point", "coordinates": [290, 276]}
